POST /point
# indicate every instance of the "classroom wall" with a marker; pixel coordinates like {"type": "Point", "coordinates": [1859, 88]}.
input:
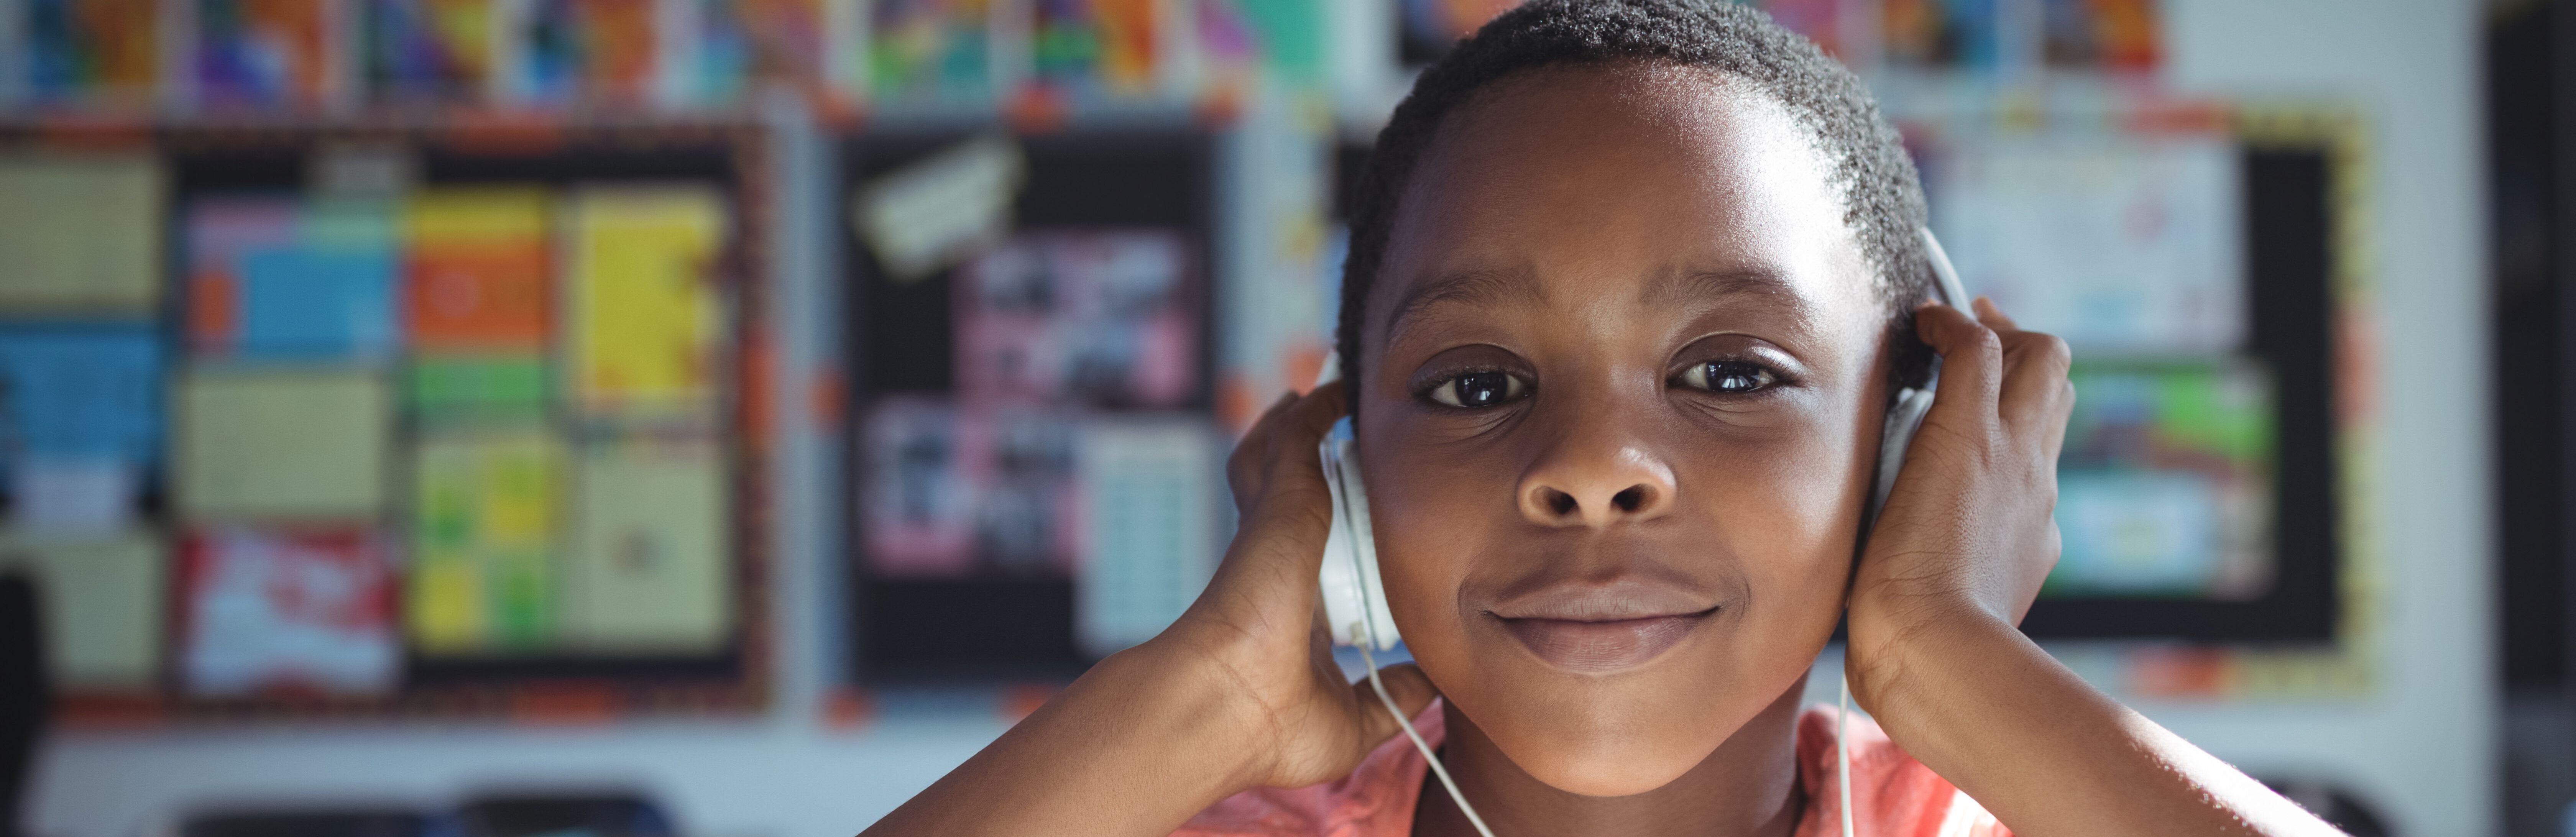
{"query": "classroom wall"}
{"type": "Point", "coordinates": [2418, 743]}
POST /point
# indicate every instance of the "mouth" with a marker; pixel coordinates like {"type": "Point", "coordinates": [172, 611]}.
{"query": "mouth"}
{"type": "Point", "coordinates": [1594, 646]}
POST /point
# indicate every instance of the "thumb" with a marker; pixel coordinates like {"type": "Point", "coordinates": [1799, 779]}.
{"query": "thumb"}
{"type": "Point", "coordinates": [1405, 683]}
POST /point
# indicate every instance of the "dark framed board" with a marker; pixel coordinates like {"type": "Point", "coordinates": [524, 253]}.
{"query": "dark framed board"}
{"type": "Point", "coordinates": [554, 333]}
{"type": "Point", "coordinates": [966, 612]}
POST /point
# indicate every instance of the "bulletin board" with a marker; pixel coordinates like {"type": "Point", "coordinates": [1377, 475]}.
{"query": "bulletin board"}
{"type": "Point", "coordinates": [956, 598]}
{"type": "Point", "coordinates": [463, 420]}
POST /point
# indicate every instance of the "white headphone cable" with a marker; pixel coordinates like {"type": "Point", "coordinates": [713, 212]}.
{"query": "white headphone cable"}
{"type": "Point", "coordinates": [1370, 660]}
{"type": "Point", "coordinates": [1842, 752]}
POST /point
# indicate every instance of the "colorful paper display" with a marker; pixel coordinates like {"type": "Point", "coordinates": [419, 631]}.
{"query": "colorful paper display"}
{"type": "Point", "coordinates": [952, 491]}
{"type": "Point", "coordinates": [102, 601]}
{"type": "Point", "coordinates": [279, 278]}
{"type": "Point", "coordinates": [451, 388]}
{"type": "Point", "coordinates": [82, 234]}
{"type": "Point", "coordinates": [2165, 484]}
{"type": "Point", "coordinates": [282, 444]}
{"type": "Point", "coordinates": [81, 392]}
{"type": "Point", "coordinates": [919, 500]}
{"type": "Point", "coordinates": [296, 613]}
{"type": "Point", "coordinates": [747, 41]}
{"type": "Point", "coordinates": [266, 52]}
{"type": "Point", "coordinates": [646, 318]}
{"type": "Point", "coordinates": [648, 570]}
{"type": "Point", "coordinates": [607, 51]}
{"type": "Point", "coordinates": [2112, 34]}
{"type": "Point", "coordinates": [931, 50]}
{"type": "Point", "coordinates": [432, 49]}
{"type": "Point", "coordinates": [476, 269]}
{"type": "Point", "coordinates": [485, 520]}
{"type": "Point", "coordinates": [2127, 244]}
{"type": "Point", "coordinates": [93, 51]}
{"type": "Point", "coordinates": [1096, 47]}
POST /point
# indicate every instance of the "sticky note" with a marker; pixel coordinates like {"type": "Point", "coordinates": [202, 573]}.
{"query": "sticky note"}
{"type": "Point", "coordinates": [929, 215]}
{"type": "Point", "coordinates": [477, 269]}
{"type": "Point", "coordinates": [281, 444]}
{"type": "Point", "coordinates": [293, 612]}
{"type": "Point", "coordinates": [485, 510]}
{"type": "Point", "coordinates": [650, 568]}
{"type": "Point", "coordinates": [81, 391]}
{"type": "Point", "coordinates": [82, 234]}
{"type": "Point", "coordinates": [443, 388]}
{"type": "Point", "coordinates": [646, 316]}
{"type": "Point", "coordinates": [102, 598]}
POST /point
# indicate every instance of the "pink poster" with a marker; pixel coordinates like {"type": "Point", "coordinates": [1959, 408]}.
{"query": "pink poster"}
{"type": "Point", "coordinates": [1101, 320]}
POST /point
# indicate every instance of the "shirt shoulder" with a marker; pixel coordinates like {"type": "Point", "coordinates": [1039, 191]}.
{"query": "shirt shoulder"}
{"type": "Point", "coordinates": [1892, 794]}
{"type": "Point", "coordinates": [1375, 800]}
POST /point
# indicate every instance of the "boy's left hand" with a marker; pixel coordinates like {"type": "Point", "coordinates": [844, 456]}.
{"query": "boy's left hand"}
{"type": "Point", "coordinates": [1967, 533]}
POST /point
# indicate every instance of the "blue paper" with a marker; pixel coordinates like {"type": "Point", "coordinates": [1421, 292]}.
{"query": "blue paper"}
{"type": "Point", "coordinates": [317, 302]}
{"type": "Point", "coordinates": [80, 392]}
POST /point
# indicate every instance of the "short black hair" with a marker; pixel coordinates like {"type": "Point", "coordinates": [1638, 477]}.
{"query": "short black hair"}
{"type": "Point", "coordinates": [1881, 195]}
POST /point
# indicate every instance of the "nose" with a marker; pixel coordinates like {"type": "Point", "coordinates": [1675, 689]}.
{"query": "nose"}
{"type": "Point", "coordinates": [1596, 484]}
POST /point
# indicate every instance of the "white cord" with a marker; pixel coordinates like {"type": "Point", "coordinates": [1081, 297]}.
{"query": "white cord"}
{"type": "Point", "coordinates": [1842, 752]}
{"type": "Point", "coordinates": [1370, 660]}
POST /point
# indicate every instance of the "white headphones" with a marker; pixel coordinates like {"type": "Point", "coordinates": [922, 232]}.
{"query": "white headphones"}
{"type": "Point", "coordinates": [1355, 609]}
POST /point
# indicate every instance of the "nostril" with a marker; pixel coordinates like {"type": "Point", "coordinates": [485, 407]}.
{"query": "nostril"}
{"type": "Point", "coordinates": [1629, 500]}
{"type": "Point", "coordinates": [1560, 502]}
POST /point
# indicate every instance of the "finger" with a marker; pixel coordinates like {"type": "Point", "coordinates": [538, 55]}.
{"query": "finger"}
{"type": "Point", "coordinates": [1243, 468]}
{"type": "Point", "coordinates": [1285, 520]}
{"type": "Point", "coordinates": [1992, 315]}
{"type": "Point", "coordinates": [1300, 427]}
{"type": "Point", "coordinates": [1971, 358]}
{"type": "Point", "coordinates": [2054, 442]}
{"type": "Point", "coordinates": [1411, 690]}
{"type": "Point", "coordinates": [2035, 375]}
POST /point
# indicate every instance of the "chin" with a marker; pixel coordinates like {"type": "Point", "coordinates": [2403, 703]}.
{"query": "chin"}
{"type": "Point", "coordinates": [1612, 751]}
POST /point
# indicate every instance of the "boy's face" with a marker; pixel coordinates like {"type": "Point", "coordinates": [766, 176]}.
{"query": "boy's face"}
{"type": "Point", "coordinates": [1617, 416]}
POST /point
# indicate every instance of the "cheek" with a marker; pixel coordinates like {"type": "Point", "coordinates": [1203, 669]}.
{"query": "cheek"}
{"type": "Point", "coordinates": [1433, 521]}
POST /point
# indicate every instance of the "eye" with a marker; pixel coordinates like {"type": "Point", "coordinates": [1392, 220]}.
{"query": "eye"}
{"type": "Point", "coordinates": [1728, 376]}
{"type": "Point", "coordinates": [1478, 389]}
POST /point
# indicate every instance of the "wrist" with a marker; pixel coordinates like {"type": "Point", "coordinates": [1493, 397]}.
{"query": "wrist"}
{"type": "Point", "coordinates": [1216, 716]}
{"type": "Point", "coordinates": [1894, 634]}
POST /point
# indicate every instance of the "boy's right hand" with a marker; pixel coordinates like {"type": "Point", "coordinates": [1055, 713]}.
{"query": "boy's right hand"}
{"type": "Point", "coordinates": [1258, 629]}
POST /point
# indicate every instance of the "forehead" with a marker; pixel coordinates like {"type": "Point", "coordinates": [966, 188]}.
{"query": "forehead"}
{"type": "Point", "coordinates": [1617, 178]}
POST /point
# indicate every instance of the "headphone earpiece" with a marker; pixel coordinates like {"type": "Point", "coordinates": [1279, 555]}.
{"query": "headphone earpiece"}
{"type": "Point", "coordinates": [1354, 597]}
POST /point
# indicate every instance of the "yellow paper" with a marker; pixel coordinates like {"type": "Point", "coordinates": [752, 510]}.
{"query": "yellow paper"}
{"type": "Point", "coordinates": [80, 234]}
{"type": "Point", "coordinates": [650, 568]}
{"type": "Point", "coordinates": [270, 444]}
{"type": "Point", "coordinates": [484, 514]}
{"type": "Point", "coordinates": [102, 599]}
{"type": "Point", "coordinates": [645, 314]}
{"type": "Point", "coordinates": [477, 215]}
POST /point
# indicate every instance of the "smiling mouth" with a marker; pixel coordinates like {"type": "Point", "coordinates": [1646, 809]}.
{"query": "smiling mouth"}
{"type": "Point", "coordinates": [1603, 646]}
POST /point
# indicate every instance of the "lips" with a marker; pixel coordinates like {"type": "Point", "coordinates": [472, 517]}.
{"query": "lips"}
{"type": "Point", "coordinates": [1603, 646]}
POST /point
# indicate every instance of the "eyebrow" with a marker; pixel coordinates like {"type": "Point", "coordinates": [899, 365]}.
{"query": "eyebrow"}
{"type": "Point", "coordinates": [1683, 286]}
{"type": "Point", "coordinates": [1467, 287]}
{"type": "Point", "coordinates": [1674, 288]}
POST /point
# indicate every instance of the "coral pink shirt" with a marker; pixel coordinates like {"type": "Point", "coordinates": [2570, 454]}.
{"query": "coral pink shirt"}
{"type": "Point", "coordinates": [1892, 795]}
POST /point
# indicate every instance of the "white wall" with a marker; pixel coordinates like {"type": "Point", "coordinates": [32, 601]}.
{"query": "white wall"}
{"type": "Point", "coordinates": [2420, 744]}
